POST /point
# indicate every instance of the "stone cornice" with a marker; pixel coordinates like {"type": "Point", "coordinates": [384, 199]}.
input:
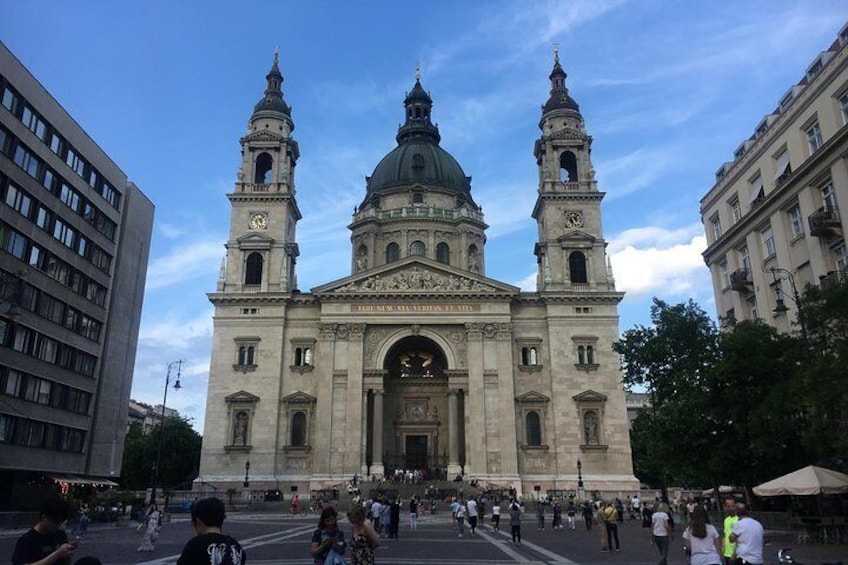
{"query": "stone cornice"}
{"type": "Point", "coordinates": [573, 298]}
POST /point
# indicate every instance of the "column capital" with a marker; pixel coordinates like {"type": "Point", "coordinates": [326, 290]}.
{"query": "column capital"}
{"type": "Point", "coordinates": [453, 391]}
{"type": "Point", "coordinates": [327, 331]}
{"type": "Point", "coordinates": [379, 391]}
{"type": "Point", "coordinates": [488, 330]}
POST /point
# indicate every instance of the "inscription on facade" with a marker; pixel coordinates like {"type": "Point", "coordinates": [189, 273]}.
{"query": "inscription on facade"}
{"type": "Point", "coordinates": [414, 308]}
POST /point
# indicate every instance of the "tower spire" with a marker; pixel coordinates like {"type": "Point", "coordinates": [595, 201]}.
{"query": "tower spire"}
{"type": "Point", "coordinates": [418, 71]}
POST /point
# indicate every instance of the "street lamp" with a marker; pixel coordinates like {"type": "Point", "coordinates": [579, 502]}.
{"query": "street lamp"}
{"type": "Point", "coordinates": [179, 365]}
{"type": "Point", "coordinates": [246, 474]}
{"type": "Point", "coordinates": [780, 306]}
{"type": "Point", "coordinates": [579, 474]}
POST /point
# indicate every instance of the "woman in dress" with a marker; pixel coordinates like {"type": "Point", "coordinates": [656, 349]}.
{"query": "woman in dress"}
{"type": "Point", "coordinates": [364, 540]}
{"type": "Point", "coordinates": [151, 531]}
{"type": "Point", "coordinates": [701, 540]}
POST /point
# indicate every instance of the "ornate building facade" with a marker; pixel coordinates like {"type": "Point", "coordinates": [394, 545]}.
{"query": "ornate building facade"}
{"type": "Point", "coordinates": [417, 359]}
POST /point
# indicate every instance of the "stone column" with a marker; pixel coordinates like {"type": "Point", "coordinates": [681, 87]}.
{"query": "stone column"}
{"type": "Point", "coordinates": [355, 415]}
{"type": "Point", "coordinates": [506, 400]}
{"type": "Point", "coordinates": [364, 465]}
{"type": "Point", "coordinates": [323, 376]}
{"type": "Point", "coordinates": [453, 434]}
{"type": "Point", "coordinates": [377, 467]}
{"type": "Point", "coordinates": [475, 409]}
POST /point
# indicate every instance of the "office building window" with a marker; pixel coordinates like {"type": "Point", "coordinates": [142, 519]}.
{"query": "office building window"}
{"type": "Point", "coordinates": [814, 137]}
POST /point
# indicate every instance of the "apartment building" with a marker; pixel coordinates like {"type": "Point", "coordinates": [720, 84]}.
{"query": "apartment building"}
{"type": "Point", "coordinates": [775, 217]}
{"type": "Point", "coordinates": [74, 244]}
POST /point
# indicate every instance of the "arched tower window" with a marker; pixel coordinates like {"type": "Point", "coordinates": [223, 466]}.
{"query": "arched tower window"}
{"type": "Point", "coordinates": [253, 269]}
{"type": "Point", "coordinates": [264, 163]}
{"type": "Point", "coordinates": [534, 428]}
{"type": "Point", "coordinates": [577, 267]}
{"type": "Point", "coordinates": [298, 429]}
{"type": "Point", "coordinates": [443, 253]}
{"type": "Point", "coordinates": [392, 252]}
{"type": "Point", "coordinates": [567, 167]}
{"type": "Point", "coordinates": [418, 248]}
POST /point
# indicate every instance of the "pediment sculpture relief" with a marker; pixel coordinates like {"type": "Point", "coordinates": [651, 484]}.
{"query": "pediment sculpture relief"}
{"type": "Point", "coordinates": [417, 279]}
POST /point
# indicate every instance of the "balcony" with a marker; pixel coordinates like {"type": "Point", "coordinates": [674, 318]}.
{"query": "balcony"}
{"type": "Point", "coordinates": [825, 222]}
{"type": "Point", "coordinates": [740, 281]}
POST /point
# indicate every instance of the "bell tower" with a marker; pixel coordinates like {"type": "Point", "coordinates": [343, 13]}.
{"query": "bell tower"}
{"type": "Point", "coordinates": [570, 251]}
{"type": "Point", "coordinates": [262, 249]}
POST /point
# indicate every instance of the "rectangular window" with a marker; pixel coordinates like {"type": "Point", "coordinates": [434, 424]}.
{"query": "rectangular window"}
{"type": "Point", "coordinates": [769, 247]}
{"type": "Point", "coordinates": [745, 260]}
{"type": "Point", "coordinates": [716, 223]}
{"type": "Point", "coordinates": [843, 103]}
{"type": "Point", "coordinates": [35, 256]}
{"type": "Point", "coordinates": [796, 221]}
{"type": "Point", "coordinates": [56, 143]}
{"type": "Point", "coordinates": [723, 274]}
{"type": "Point", "coordinates": [841, 255]}
{"type": "Point", "coordinates": [782, 167]}
{"type": "Point", "coordinates": [8, 99]}
{"type": "Point", "coordinates": [757, 191]}
{"type": "Point", "coordinates": [829, 196]}
{"type": "Point", "coordinates": [64, 233]}
{"type": "Point", "coordinates": [70, 197]}
{"type": "Point", "coordinates": [27, 161]}
{"type": "Point", "coordinates": [13, 384]}
{"type": "Point", "coordinates": [48, 179]}
{"type": "Point", "coordinates": [42, 218]}
{"type": "Point", "coordinates": [2, 141]}
{"type": "Point", "coordinates": [814, 137]}
{"type": "Point", "coordinates": [33, 122]}
{"type": "Point", "coordinates": [43, 396]}
{"type": "Point", "coordinates": [22, 339]}
{"type": "Point", "coordinates": [736, 210]}
{"type": "Point", "coordinates": [82, 246]}
{"type": "Point", "coordinates": [92, 178]}
{"type": "Point", "coordinates": [14, 243]}
{"type": "Point", "coordinates": [19, 200]}
{"type": "Point", "coordinates": [110, 195]}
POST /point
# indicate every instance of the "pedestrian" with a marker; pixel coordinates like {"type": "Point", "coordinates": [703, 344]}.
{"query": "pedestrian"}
{"type": "Point", "coordinates": [82, 522]}
{"type": "Point", "coordinates": [413, 513]}
{"type": "Point", "coordinates": [210, 546]}
{"type": "Point", "coordinates": [701, 540]}
{"type": "Point", "coordinates": [660, 531]}
{"type": "Point", "coordinates": [295, 505]}
{"type": "Point", "coordinates": [730, 518]}
{"type": "Point", "coordinates": [570, 513]}
{"type": "Point", "coordinates": [600, 518]}
{"type": "Point", "coordinates": [460, 519]}
{"type": "Point", "coordinates": [635, 507]}
{"type": "Point", "coordinates": [540, 515]}
{"type": "Point", "coordinates": [748, 537]}
{"type": "Point", "coordinates": [496, 515]}
{"type": "Point", "coordinates": [611, 519]}
{"type": "Point", "coordinates": [454, 505]}
{"type": "Point", "coordinates": [587, 515]}
{"type": "Point", "coordinates": [394, 518]}
{"type": "Point", "coordinates": [363, 540]}
{"type": "Point", "coordinates": [376, 510]}
{"type": "Point", "coordinates": [328, 545]}
{"type": "Point", "coordinates": [150, 527]}
{"type": "Point", "coordinates": [45, 542]}
{"type": "Point", "coordinates": [472, 515]}
{"type": "Point", "coordinates": [515, 521]}
{"type": "Point", "coordinates": [385, 519]}
{"type": "Point", "coordinates": [619, 507]}
{"type": "Point", "coordinates": [557, 519]}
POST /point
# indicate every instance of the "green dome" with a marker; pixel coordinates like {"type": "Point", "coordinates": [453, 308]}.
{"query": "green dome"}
{"type": "Point", "coordinates": [418, 161]}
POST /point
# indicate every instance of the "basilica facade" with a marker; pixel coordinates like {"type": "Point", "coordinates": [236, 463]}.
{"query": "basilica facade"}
{"type": "Point", "coordinates": [416, 360]}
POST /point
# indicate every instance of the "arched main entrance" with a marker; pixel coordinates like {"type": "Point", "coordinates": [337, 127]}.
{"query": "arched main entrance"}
{"type": "Point", "coordinates": [415, 436]}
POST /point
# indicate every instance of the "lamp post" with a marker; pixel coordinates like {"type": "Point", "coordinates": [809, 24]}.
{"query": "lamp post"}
{"type": "Point", "coordinates": [780, 306]}
{"type": "Point", "coordinates": [179, 365]}
{"type": "Point", "coordinates": [580, 489]}
{"type": "Point", "coordinates": [247, 474]}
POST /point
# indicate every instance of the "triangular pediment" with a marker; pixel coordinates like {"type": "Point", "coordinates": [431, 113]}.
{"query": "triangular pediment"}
{"type": "Point", "coordinates": [589, 396]}
{"type": "Point", "coordinates": [532, 397]}
{"type": "Point", "coordinates": [255, 236]}
{"type": "Point", "coordinates": [568, 133]}
{"type": "Point", "coordinates": [576, 236]}
{"type": "Point", "coordinates": [299, 397]}
{"type": "Point", "coordinates": [263, 135]}
{"type": "Point", "coordinates": [241, 397]}
{"type": "Point", "coordinates": [413, 276]}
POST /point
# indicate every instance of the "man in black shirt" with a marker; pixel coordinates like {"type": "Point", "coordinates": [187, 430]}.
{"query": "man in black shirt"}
{"type": "Point", "coordinates": [210, 546]}
{"type": "Point", "coordinates": [45, 543]}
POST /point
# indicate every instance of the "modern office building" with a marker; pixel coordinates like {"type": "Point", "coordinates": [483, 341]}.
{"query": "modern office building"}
{"type": "Point", "coordinates": [775, 218]}
{"type": "Point", "coordinates": [74, 244]}
{"type": "Point", "coordinates": [417, 360]}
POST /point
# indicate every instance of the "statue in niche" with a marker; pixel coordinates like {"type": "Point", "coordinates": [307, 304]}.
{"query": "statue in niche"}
{"type": "Point", "coordinates": [361, 262]}
{"type": "Point", "coordinates": [240, 175]}
{"type": "Point", "coordinates": [590, 426]}
{"type": "Point", "coordinates": [240, 429]}
{"type": "Point", "coordinates": [473, 262]}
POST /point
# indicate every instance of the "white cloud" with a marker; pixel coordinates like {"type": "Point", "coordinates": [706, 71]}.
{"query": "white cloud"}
{"type": "Point", "coordinates": [176, 334]}
{"type": "Point", "coordinates": [634, 171]}
{"type": "Point", "coordinates": [528, 283]}
{"type": "Point", "coordinates": [185, 262]}
{"type": "Point", "coordinates": [654, 260]}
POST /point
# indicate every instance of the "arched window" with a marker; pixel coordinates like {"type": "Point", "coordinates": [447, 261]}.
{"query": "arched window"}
{"type": "Point", "coordinates": [253, 269]}
{"type": "Point", "coordinates": [534, 428]}
{"type": "Point", "coordinates": [242, 355]}
{"type": "Point", "coordinates": [392, 252]}
{"type": "Point", "coordinates": [418, 248]}
{"type": "Point", "coordinates": [533, 357]}
{"type": "Point", "coordinates": [298, 429]}
{"type": "Point", "coordinates": [581, 354]}
{"type": "Point", "coordinates": [443, 253]}
{"type": "Point", "coordinates": [567, 167]}
{"type": "Point", "coordinates": [577, 267]}
{"type": "Point", "coordinates": [264, 163]}
{"type": "Point", "coordinates": [250, 352]}
{"type": "Point", "coordinates": [302, 356]}
{"type": "Point", "coordinates": [590, 355]}
{"type": "Point", "coordinates": [529, 356]}
{"type": "Point", "coordinates": [418, 197]}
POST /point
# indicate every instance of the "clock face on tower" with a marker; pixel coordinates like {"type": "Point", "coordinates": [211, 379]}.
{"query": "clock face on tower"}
{"type": "Point", "coordinates": [574, 219]}
{"type": "Point", "coordinates": [258, 221]}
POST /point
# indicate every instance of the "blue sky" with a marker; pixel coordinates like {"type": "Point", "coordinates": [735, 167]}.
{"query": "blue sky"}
{"type": "Point", "coordinates": [668, 90]}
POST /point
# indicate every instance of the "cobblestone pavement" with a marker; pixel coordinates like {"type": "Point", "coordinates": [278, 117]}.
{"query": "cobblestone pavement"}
{"type": "Point", "coordinates": [271, 538]}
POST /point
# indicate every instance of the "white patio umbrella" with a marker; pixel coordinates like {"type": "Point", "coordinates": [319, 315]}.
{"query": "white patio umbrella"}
{"type": "Point", "coordinates": [810, 480]}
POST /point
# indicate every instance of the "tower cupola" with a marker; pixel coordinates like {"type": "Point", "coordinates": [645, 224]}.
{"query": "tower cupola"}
{"type": "Point", "coordinates": [272, 100]}
{"type": "Point", "coordinates": [418, 125]}
{"type": "Point", "coordinates": [559, 99]}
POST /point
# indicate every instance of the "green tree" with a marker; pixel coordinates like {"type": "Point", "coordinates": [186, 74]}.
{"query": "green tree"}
{"type": "Point", "coordinates": [180, 456]}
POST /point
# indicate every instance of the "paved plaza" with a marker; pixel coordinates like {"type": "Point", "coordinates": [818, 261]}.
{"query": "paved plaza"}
{"type": "Point", "coordinates": [270, 538]}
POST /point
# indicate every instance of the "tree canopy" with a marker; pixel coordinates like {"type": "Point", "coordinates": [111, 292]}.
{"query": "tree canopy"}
{"type": "Point", "coordinates": [180, 458]}
{"type": "Point", "coordinates": [742, 405]}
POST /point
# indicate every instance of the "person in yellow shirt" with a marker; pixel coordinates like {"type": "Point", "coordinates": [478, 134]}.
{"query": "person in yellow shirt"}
{"type": "Point", "coordinates": [730, 518]}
